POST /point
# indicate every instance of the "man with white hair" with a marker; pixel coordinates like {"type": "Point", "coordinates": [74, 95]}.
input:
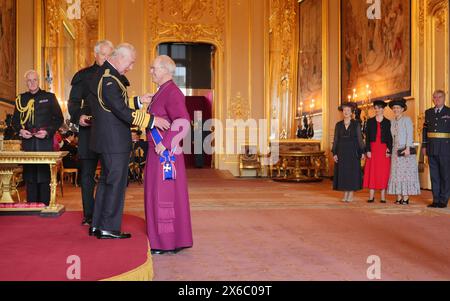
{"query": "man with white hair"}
{"type": "Point", "coordinates": [167, 209]}
{"type": "Point", "coordinates": [436, 145]}
{"type": "Point", "coordinates": [113, 115]}
{"type": "Point", "coordinates": [37, 116]}
{"type": "Point", "coordinates": [80, 114]}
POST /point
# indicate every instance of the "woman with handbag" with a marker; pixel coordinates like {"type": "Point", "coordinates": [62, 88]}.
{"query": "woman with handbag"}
{"type": "Point", "coordinates": [404, 178]}
{"type": "Point", "coordinates": [348, 147]}
{"type": "Point", "coordinates": [378, 152]}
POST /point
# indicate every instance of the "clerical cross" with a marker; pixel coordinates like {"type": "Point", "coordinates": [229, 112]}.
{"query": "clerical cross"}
{"type": "Point", "coordinates": [167, 168]}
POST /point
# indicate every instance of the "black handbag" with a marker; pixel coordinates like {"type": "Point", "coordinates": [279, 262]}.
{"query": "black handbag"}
{"type": "Point", "coordinates": [412, 151]}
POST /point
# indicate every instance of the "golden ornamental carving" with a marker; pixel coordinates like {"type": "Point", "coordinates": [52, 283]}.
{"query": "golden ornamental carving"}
{"type": "Point", "coordinates": [189, 10]}
{"type": "Point", "coordinates": [441, 18]}
{"type": "Point", "coordinates": [422, 21]}
{"type": "Point", "coordinates": [15, 157]}
{"type": "Point", "coordinates": [187, 20]}
{"type": "Point", "coordinates": [239, 108]}
{"type": "Point", "coordinates": [436, 5]}
{"type": "Point", "coordinates": [282, 62]}
{"type": "Point", "coordinates": [282, 24]}
{"type": "Point", "coordinates": [420, 122]}
{"type": "Point", "coordinates": [89, 11]}
{"type": "Point", "coordinates": [53, 21]}
{"type": "Point", "coordinates": [439, 10]}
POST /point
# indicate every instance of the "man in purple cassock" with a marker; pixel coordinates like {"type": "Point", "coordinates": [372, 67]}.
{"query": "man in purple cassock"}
{"type": "Point", "coordinates": [166, 195]}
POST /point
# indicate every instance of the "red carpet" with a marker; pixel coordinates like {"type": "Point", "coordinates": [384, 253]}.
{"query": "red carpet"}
{"type": "Point", "coordinates": [36, 249]}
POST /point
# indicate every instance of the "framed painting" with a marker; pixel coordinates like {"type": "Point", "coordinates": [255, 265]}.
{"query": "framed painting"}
{"type": "Point", "coordinates": [375, 50]}
{"type": "Point", "coordinates": [7, 51]}
{"type": "Point", "coordinates": [310, 57]}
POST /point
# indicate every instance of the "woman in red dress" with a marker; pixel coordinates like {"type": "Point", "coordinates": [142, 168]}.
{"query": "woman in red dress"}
{"type": "Point", "coordinates": [378, 152]}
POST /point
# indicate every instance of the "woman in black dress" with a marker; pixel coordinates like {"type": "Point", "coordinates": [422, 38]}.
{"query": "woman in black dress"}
{"type": "Point", "coordinates": [348, 149]}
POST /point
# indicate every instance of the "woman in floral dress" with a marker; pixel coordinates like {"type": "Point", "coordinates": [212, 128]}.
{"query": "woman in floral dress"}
{"type": "Point", "coordinates": [404, 178]}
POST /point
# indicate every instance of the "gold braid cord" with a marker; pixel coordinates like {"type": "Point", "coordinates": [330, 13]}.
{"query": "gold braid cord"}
{"type": "Point", "coordinates": [100, 89]}
{"type": "Point", "coordinates": [26, 112]}
{"type": "Point", "coordinates": [140, 118]}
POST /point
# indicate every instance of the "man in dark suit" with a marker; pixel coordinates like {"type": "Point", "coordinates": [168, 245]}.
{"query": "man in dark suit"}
{"type": "Point", "coordinates": [71, 159]}
{"type": "Point", "coordinates": [113, 115]}
{"type": "Point", "coordinates": [37, 116]}
{"type": "Point", "coordinates": [436, 144]}
{"type": "Point", "coordinates": [80, 115]}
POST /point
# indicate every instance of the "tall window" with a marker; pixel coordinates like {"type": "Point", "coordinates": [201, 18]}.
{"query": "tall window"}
{"type": "Point", "coordinates": [193, 63]}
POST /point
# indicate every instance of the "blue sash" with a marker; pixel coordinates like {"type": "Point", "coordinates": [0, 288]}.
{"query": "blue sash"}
{"type": "Point", "coordinates": [167, 159]}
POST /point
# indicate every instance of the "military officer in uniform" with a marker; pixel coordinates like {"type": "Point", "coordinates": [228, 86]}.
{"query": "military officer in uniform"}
{"type": "Point", "coordinates": [80, 115]}
{"type": "Point", "coordinates": [436, 144]}
{"type": "Point", "coordinates": [37, 116]}
{"type": "Point", "coordinates": [113, 115]}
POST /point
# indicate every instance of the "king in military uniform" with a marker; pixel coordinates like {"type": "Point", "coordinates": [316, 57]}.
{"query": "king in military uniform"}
{"type": "Point", "coordinates": [113, 115]}
{"type": "Point", "coordinates": [37, 116]}
{"type": "Point", "coordinates": [436, 144]}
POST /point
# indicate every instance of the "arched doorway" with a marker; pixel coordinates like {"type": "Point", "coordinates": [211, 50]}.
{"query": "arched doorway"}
{"type": "Point", "coordinates": [195, 77]}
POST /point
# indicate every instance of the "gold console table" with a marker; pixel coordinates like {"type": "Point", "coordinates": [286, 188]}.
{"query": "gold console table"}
{"type": "Point", "coordinates": [291, 166]}
{"type": "Point", "coordinates": [300, 160]}
{"type": "Point", "coordinates": [9, 160]}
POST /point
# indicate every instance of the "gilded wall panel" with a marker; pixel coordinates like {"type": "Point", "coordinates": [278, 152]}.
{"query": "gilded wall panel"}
{"type": "Point", "coordinates": [435, 28]}
{"type": "Point", "coordinates": [282, 66]}
{"type": "Point", "coordinates": [68, 44]}
{"type": "Point", "coordinates": [7, 50]}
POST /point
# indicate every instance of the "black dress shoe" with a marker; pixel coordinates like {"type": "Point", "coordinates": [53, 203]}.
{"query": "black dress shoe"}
{"type": "Point", "coordinates": [86, 221]}
{"type": "Point", "coordinates": [371, 201]}
{"type": "Point", "coordinates": [156, 251]}
{"type": "Point", "coordinates": [104, 234]}
{"type": "Point", "coordinates": [433, 205]}
{"type": "Point", "coordinates": [442, 205]}
{"type": "Point", "coordinates": [383, 201]}
{"type": "Point", "coordinates": [92, 231]}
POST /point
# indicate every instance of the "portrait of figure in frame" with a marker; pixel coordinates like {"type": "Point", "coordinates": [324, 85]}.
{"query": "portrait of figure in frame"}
{"type": "Point", "coordinates": [375, 52]}
{"type": "Point", "coordinates": [310, 55]}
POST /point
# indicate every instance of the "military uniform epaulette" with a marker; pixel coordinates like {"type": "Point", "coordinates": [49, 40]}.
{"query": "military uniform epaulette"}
{"type": "Point", "coordinates": [108, 75]}
{"type": "Point", "coordinates": [139, 118]}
